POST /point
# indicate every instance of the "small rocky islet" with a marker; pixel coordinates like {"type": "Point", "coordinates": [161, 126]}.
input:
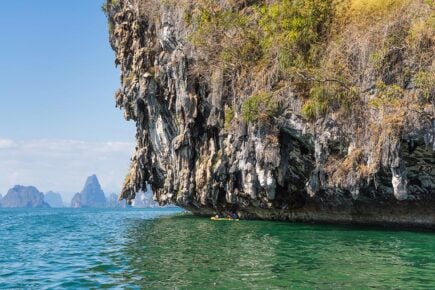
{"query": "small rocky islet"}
{"type": "Point", "coordinates": [54, 199]}
{"type": "Point", "coordinates": [92, 196]}
{"type": "Point", "coordinates": [23, 197]}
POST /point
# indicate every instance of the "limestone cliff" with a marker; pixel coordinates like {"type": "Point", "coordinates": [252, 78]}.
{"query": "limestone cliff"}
{"type": "Point", "coordinates": [114, 202]}
{"type": "Point", "coordinates": [91, 195]}
{"type": "Point", "coordinates": [54, 199]}
{"type": "Point", "coordinates": [23, 197]}
{"type": "Point", "coordinates": [300, 110]}
{"type": "Point", "coordinates": [76, 201]}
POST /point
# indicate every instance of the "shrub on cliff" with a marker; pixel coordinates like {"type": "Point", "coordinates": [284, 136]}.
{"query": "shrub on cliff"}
{"type": "Point", "coordinates": [316, 39]}
{"type": "Point", "coordinates": [259, 107]}
{"type": "Point", "coordinates": [292, 32]}
{"type": "Point", "coordinates": [287, 33]}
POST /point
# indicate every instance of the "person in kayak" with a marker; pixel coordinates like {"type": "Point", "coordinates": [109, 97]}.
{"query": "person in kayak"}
{"type": "Point", "coordinates": [232, 216]}
{"type": "Point", "coordinates": [219, 216]}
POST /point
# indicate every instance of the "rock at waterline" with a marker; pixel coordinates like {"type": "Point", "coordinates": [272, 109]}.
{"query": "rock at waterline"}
{"type": "Point", "coordinates": [24, 197]}
{"type": "Point", "coordinates": [114, 202]}
{"type": "Point", "coordinates": [91, 196]}
{"type": "Point", "coordinates": [76, 201]}
{"type": "Point", "coordinates": [54, 199]}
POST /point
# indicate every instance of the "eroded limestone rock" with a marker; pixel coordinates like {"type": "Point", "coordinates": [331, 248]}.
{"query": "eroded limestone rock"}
{"type": "Point", "coordinates": [286, 168]}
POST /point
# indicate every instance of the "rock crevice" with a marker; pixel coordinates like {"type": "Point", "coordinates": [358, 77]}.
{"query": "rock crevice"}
{"type": "Point", "coordinates": [197, 149]}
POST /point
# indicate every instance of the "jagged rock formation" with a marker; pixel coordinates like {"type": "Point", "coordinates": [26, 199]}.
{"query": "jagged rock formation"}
{"type": "Point", "coordinates": [76, 201]}
{"type": "Point", "coordinates": [114, 202]}
{"type": "Point", "coordinates": [144, 200]}
{"type": "Point", "coordinates": [223, 126]}
{"type": "Point", "coordinates": [23, 197]}
{"type": "Point", "coordinates": [91, 196]}
{"type": "Point", "coordinates": [54, 199]}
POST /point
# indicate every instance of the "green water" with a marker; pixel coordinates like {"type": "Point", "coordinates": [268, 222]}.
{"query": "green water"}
{"type": "Point", "coordinates": [189, 252]}
{"type": "Point", "coordinates": [161, 249]}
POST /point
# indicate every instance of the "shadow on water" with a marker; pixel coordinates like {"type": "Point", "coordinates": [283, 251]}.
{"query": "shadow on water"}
{"type": "Point", "coordinates": [147, 249]}
{"type": "Point", "coordinates": [191, 252]}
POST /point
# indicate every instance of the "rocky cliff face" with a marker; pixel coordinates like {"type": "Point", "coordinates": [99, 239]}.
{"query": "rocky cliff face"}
{"type": "Point", "coordinates": [339, 128]}
{"type": "Point", "coordinates": [144, 200]}
{"type": "Point", "coordinates": [76, 201]}
{"type": "Point", "coordinates": [91, 196]}
{"type": "Point", "coordinates": [114, 202]}
{"type": "Point", "coordinates": [23, 197]}
{"type": "Point", "coordinates": [54, 199]}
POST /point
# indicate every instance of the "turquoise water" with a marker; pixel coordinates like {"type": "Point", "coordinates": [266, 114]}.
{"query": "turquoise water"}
{"type": "Point", "coordinates": [162, 249]}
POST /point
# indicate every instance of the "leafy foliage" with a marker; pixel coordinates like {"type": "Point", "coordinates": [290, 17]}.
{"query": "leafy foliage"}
{"type": "Point", "coordinates": [387, 95]}
{"type": "Point", "coordinates": [281, 40]}
{"type": "Point", "coordinates": [317, 104]}
{"type": "Point", "coordinates": [293, 31]}
{"type": "Point", "coordinates": [259, 107]}
{"type": "Point", "coordinates": [287, 32]}
{"type": "Point", "coordinates": [109, 4]}
{"type": "Point", "coordinates": [229, 116]}
{"type": "Point", "coordinates": [425, 81]}
{"type": "Point", "coordinates": [226, 36]}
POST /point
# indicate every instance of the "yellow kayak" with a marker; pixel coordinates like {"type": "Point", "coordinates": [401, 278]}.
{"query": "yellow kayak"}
{"type": "Point", "coordinates": [222, 219]}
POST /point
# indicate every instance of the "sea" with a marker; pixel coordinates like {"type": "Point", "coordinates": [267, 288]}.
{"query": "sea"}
{"type": "Point", "coordinates": [169, 249]}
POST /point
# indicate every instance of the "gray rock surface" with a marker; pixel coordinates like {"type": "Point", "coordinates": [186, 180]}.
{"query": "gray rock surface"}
{"type": "Point", "coordinates": [76, 201]}
{"type": "Point", "coordinates": [288, 168]}
{"type": "Point", "coordinates": [114, 202]}
{"type": "Point", "coordinates": [144, 200]}
{"type": "Point", "coordinates": [54, 199]}
{"type": "Point", "coordinates": [91, 196]}
{"type": "Point", "coordinates": [23, 197]}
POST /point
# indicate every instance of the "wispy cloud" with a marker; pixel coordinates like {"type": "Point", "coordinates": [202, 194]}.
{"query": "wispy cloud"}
{"type": "Point", "coordinates": [6, 143]}
{"type": "Point", "coordinates": [62, 165]}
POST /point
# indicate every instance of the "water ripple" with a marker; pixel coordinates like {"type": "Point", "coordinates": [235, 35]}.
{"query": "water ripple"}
{"type": "Point", "coordinates": [117, 249]}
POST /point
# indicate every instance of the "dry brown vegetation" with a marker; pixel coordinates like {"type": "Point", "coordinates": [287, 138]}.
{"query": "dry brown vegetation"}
{"type": "Point", "coordinates": [358, 59]}
{"type": "Point", "coordinates": [367, 63]}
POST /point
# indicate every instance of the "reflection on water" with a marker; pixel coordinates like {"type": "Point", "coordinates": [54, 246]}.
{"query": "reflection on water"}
{"type": "Point", "coordinates": [189, 252]}
{"type": "Point", "coordinates": [107, 248]}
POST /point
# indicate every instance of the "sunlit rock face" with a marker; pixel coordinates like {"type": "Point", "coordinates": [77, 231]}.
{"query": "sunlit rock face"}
{"type": "Point", "coordinates": [91, 196]}
{"type": "Point", "coordinates": [144, 200]}
{"type": "Point", "coordinates": [23, 197]}
{"type": "Point", "coordinates": [199, 150]}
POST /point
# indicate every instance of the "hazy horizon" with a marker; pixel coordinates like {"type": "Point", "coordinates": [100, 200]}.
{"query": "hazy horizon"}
{"type": "Point", "coordinates": [58, 121]}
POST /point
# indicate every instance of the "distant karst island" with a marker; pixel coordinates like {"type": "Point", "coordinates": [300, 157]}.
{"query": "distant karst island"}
{"type": "Point", "coordinates": [24, 196]}
{"type": "Point", "coordinates": [91, 196]}
{"type": "Point", "coordinates": [54, 199]}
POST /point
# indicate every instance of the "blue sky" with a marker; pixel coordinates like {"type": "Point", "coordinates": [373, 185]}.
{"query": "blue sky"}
{"type": "Point", "coordinates": [57, 81]}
